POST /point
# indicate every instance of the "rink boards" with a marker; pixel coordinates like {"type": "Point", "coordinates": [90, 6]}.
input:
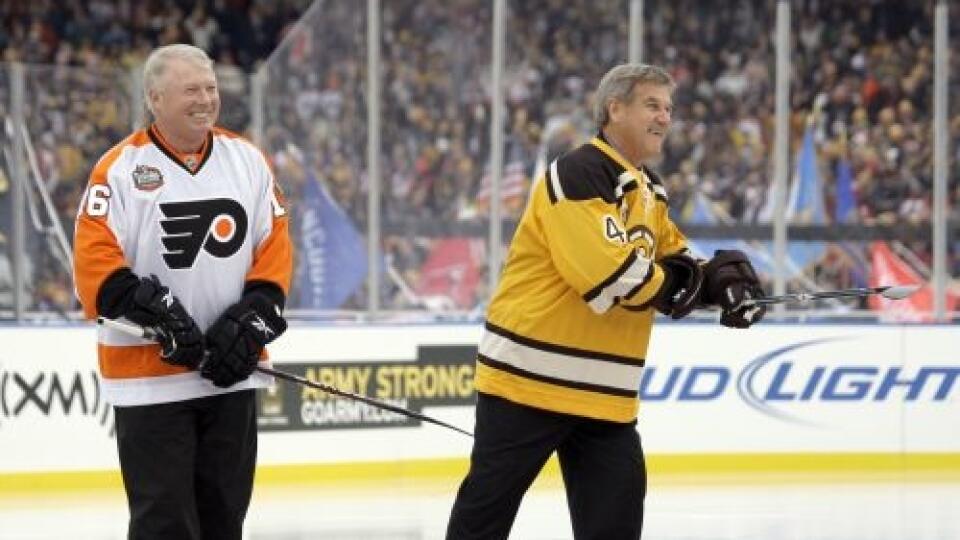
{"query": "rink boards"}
{"type": "Point", "coordinates": [776, 398]}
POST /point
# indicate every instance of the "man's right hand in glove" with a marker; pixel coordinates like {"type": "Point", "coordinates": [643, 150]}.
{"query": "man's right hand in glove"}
{"type": "Point", "coordinates": [154, 306]}
{"type": "Point", "coordinates": [682, 282]}
{"type": "Point", "coordinates": [237, 338]}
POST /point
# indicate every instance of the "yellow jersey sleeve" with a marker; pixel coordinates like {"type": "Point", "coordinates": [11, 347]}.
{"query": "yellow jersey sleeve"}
{"type": "Point", "coordinates": [589, 244]}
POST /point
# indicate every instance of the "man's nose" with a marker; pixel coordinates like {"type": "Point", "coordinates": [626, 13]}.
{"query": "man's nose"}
{"type": "Point", "coordinates": [206, 97]}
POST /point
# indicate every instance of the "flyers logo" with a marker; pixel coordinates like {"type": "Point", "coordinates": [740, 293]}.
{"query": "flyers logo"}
{"type": "Point", "coordinates": [218, 226]}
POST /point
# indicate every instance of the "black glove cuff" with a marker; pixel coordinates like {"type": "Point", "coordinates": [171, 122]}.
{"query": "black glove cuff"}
{"type": "Point", "coordinates": [259, 316]}
{"type": "Point", "coordinates": [116, 293]}
{"type": "Point", "coordinates": [147, 305]}
{"type": "Point", "coordinates": [680, 292]}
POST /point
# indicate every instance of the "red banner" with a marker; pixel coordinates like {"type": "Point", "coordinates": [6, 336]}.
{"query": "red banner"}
{"type": "Point", "coordinates": [888, 269]}
{"type": "Point", "coordinates": [452, 271]}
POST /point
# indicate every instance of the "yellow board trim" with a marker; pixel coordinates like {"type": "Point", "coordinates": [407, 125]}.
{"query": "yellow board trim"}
{"type": "Point", "coordinates": [41, 482]}
{"type": "Point", "coordinates": [802, 467]}
{"type": "Point", "coordinates": [662, 469]}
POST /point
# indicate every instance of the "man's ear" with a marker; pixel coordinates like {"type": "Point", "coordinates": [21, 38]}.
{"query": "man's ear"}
{"type": "Point", "coordinates": [153, 97]}
{"type": "Point", "coordinates": [614, 110]}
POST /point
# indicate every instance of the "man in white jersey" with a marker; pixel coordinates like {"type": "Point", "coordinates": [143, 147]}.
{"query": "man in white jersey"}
{"type": "Point", "coordinates": [182, 229]}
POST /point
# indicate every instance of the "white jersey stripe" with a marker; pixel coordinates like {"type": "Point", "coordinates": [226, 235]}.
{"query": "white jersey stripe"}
{"type": "Point", "coordinates": [624, 181]}
{"type": "Point", "coordinates": [555, 181]}
{"type": "Point", "coordinates": [637, 273]}
{"type": "Point", "coordinates": [556, 365]}
{"type": "Point", "coordinates": [179, 387]}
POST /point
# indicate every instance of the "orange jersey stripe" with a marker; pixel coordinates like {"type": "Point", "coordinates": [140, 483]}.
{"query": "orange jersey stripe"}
{"type": "Point", "coordinates": [97, 253]}
{"type": "Point", "coordinates": [136, 361]}
{"type": "Point", "coordinates": [273, 259]}
{"type": "Point", "coordinates": [132, 361]}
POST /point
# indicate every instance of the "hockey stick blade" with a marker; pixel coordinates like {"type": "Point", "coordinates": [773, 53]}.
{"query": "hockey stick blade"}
{"type": "Point", "coordinates": [890, 292]}
{"type": "Point", "coordinates": [147, 333]}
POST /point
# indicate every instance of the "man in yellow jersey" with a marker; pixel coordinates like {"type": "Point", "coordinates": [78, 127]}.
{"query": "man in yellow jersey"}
{"type": "Point", "coordinates": [182, 230]}
{"type": "Point", "coordinates": [567, 329]}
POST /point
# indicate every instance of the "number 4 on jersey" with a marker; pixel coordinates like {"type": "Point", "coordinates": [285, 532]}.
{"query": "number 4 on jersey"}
{"type": "Point", "coordinates": [613, 231]}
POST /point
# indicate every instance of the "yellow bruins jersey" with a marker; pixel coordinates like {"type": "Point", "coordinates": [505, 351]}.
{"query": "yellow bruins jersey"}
{"type": "Point", "coordinates": [569, 324]}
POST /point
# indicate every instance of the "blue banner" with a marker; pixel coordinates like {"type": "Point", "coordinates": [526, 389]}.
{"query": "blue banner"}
{"type": "Point", "coordinates": [805, 204]}
{"type": "Point", "coordinates": [846, 199]}
{"type": "Point", "coordinates": [332, 261]}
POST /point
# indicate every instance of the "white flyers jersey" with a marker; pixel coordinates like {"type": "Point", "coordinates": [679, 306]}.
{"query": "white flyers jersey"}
{"type": "Point", "coordinates": [204, 225]}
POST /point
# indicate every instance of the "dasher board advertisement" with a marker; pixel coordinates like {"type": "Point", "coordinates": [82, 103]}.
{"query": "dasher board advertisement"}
{"type": "Point", "coordinates": [705, 390]}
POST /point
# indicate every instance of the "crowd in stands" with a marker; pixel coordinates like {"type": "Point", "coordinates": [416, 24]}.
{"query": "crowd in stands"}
{"type": "Point", "coordinates": [80, 58]}
{"type": "Point", "coordinates": [867, 67]}
{"type": "Point", "coordinates": [863, 74]}
{"type": "Point", "coordinates": [863, 77]}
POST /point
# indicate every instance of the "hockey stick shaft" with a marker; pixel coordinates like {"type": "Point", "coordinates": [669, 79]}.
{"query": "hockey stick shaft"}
{"type": "Point", "coordinates": [369, 401]}
{"type": "Point", "coordinates": [147, 333]}
{"type": "Point", "coordinates": [892, 292]}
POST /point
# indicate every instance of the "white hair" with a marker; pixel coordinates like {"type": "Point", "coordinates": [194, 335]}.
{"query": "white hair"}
{"type": "Point", "coordinates": [158, 60]}
{"type": "Point", "coordinates": [618, 85]}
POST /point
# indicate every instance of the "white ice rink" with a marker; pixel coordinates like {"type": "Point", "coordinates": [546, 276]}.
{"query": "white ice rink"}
{"type": "Point", "coordinates": [878, 510]}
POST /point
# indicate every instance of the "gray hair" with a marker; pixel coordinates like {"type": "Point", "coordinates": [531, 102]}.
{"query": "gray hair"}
{"type": "Point", "coordinates": [156, 63]}
{"type": "Point", "coordinates": [619, 82]}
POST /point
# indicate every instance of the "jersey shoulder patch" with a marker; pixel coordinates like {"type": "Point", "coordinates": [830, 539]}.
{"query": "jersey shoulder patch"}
{"type": "Point", "coordinates": [583, 174]}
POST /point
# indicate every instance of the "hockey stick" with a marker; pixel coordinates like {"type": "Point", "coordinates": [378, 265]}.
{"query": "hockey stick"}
{"type": "Point", "coordinates": [890, 292]}
{"type": "Point", "coordinates": [147, 333]}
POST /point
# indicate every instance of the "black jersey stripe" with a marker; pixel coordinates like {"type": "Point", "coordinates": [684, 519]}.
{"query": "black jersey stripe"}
{"type": "Point", "coordinates": [562, 349]}
{"type": "Point", "coordinates": [612, 278]}
{"type": "Point", "coordinates": [646, 279]}
{"type": "Point", "coordinates": [502, 366]}
{"type": "Point", "coordinates": [636, 228]}
{"type": "Point", "coordinates": [548, 179]}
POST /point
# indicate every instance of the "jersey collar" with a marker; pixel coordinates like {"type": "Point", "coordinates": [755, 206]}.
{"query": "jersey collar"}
{"type": "Point", "coordinates": [630, 178]}
{"type": "Point", "coordinates": [180, 158]}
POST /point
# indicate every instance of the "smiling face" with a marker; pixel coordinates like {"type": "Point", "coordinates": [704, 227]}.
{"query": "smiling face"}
{"type": "Point", "coordinates": [639, 127]}
{"type": "Point", "coordinates": [185, 103]}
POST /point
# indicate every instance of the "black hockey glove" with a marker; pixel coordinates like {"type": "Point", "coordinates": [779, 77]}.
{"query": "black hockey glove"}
{"type": "Point", "coordinates": [731, 283]}
{"type": "Point", "coordinates": [682, 282]}
{"type": "Point", "coordinates": [237, 338]}
{"type": "Point", "coordinates": [154, 306]}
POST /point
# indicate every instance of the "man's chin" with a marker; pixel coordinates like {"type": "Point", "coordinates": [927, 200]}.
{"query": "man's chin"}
{"type": "Point", "coordinates": [652, 151]}
{"type": "Point", "coordinates": [201, 128]}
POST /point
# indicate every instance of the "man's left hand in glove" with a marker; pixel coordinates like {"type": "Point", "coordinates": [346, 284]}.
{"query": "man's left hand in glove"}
{"type": "Point", "coordinates": [731, 283]}
{"type": "Point", "coordinates": [234, 342]}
